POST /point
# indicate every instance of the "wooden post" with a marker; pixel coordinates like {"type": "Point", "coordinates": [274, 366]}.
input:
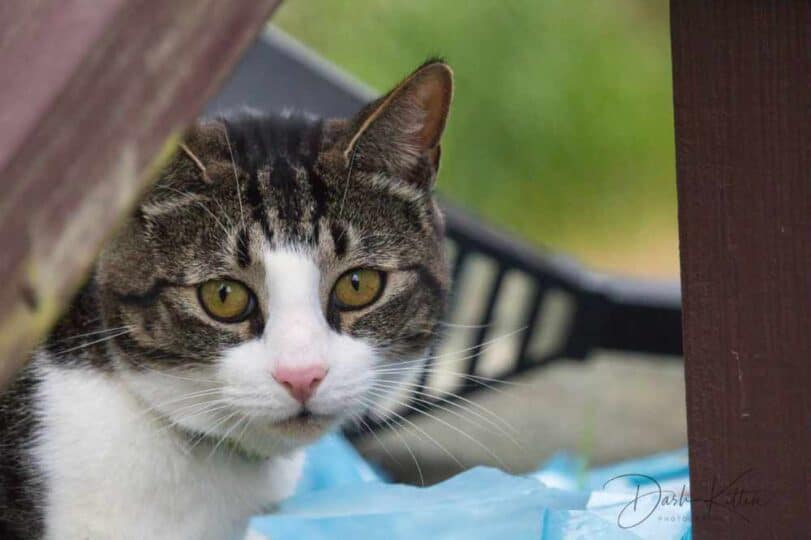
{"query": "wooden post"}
{"type": "Point", "coordinates": [89, 94]}
{"type": "Point", "coordinates": [742, 88]}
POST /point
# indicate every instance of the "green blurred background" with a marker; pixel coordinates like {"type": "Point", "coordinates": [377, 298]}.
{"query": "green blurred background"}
{"type": "Point", "coordinates": [562, 128]}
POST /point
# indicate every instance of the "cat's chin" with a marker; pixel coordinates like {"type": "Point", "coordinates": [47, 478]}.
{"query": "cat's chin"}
{"type": "Point", "coordinates": [306, 427]}
{"type": "Point", "coordinates": [292, 433]}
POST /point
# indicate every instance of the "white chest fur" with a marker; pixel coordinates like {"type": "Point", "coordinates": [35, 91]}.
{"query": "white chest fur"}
{"type": "Point", "coordinates": [113, 471]}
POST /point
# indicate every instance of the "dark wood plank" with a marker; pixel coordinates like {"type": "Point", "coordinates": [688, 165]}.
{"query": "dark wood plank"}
{"type": "Point", "coordinates": [90, 92]}
{"type": "Point", "coordinates": [742, 86]}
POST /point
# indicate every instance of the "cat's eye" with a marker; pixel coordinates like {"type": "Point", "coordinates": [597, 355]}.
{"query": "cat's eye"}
{"type": "Point", "coordinates": [226, 300]}
{"type": "Point", "coordinates": [358, 288]}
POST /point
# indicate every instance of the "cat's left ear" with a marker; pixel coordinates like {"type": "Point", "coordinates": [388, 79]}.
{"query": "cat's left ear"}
{"type": "Point", "coordinates": [400, 132]}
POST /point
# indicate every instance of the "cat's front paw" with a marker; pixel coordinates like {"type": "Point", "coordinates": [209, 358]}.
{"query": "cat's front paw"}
{"type": "Point", "coordinates": [253, 535]}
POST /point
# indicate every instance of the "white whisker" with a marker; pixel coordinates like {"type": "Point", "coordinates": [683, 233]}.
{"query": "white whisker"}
{"type": "Point", "coordinates": [407, 446]}
{"type": "Point", "coordinates": [449, 425]}
{"type": "Point", "coordinates": [226, 434]}
{"type": "Point", "coordinates": [95, 342]}
{"type": "Point", "coordinates": [97, 332]}
{"type": "Point", "coordinates": [424, 433]}
{"type": "Point", "coordinates": [236, 179]}
{"type": "Point", "coordinates": [203, 206]}
{"type": "Point", "coordinates": [505, 428]}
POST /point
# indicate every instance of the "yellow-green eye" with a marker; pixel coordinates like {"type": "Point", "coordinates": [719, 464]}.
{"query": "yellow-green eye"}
{"type": "Point", "coordinates": [358, 288]}
{"type": "Point", "coordinates": [226, 300]}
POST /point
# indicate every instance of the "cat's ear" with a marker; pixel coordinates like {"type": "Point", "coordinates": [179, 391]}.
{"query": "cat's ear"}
{"type": "Point", "coordinates": [400, 132]}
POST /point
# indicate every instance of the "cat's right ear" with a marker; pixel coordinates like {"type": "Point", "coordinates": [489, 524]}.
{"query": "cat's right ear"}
{"type": "Point", "coordinates": [400, 132]}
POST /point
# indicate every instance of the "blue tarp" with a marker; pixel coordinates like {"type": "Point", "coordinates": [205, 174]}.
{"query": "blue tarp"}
{"type": "Point", "coordinates": [341, 496]}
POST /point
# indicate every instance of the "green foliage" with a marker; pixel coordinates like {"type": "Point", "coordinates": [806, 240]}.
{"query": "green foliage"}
{"type": "Point", "coordinates": [561, 129]}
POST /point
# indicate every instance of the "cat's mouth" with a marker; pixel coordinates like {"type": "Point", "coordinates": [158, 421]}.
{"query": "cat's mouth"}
{"type": "Point", "coordinates": [301, 428]}
{"type": "Point", "coordinates": [306, 423]}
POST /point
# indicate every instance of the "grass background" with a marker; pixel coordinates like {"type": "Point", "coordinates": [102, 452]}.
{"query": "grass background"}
{"type": "Point", "coordinates": [561, 129]}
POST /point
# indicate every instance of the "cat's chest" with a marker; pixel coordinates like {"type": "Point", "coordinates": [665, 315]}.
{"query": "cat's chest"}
{"type": "Point", "coordinates": [111, 468]}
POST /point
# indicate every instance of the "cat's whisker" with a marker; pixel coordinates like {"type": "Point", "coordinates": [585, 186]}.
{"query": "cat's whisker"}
{"type": "Point", "coordinates": [195, 393]}
{"type": "Point", "coordinates": [433, 403]}
{"type": "Point", "coordinates": [464, 326]}
{"type": "Point", "coordinates": [167, 424]}
{"type": "Point", "coordinates": [178, 399]}
{"type": "Point", "coordinates": [400, 419]}
{"type": "Point", "coordinates": [448, 397]}
{"type": "Point", "coordinates": [176, 423]}
{"type": "Point", "coordinates": [203, 206]}
{"type": "Point", "coordinates": [414, 397]}
{"type": "Point", "coordinates": [474, 419]}
{"type": "Point", "coordinates": [382, 235]}
{"type": "Point", "coordinates": [233, 441]}
{"type": "Point", "coordinates": [215, 218]}
{"type": "Point", "coordinates": [405, 443]}
{"type": "Point", "coordinates": [448, 425]}
{"type": "Point", "coordinates": [95, 333]}
{"type": "Point", "coordinates": [478, 349]}
{"type": "Point", "coordinates": [346, 186]}
{"type": "Point", "coordinates": [411, 453]}
{"type": "Point", "coordinates": [178, 426]}
{"type": "Point", "coordinates": [198, 404]}
{"type": "Point", "coordinates": [173, 376]}
{"type": "Point", "coordinates": [410, 337]}
{"type": "Point", "coordinates": [238, 439]}
{"type": "Point", "coordinates": [94, 342]}
{"type": "Point", "coordinates": [211, 431]}
{"type": "Point", "coordinates": [445, 366]}
{"type": "Point", "coordinates": [236, 179]}
{"type": "Point", "coordinates": [484, 382]}
{"type": "Point", "coordinates": [482, 345]}
{"type": "Point", "coordinates": [227, 433]}
{"type": "Point", "coordinates": [225, 214]}
{"type": "Point", "coordinates": [479, 379]}
{"type": "Point", "coordinates": [411, 370]}
{"type": "Point", "coordinates": [364, 424]}
{"type": "Point", "coordinates": [200, 408]}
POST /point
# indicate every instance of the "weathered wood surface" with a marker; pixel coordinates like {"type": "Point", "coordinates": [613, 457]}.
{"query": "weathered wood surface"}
{"type": "Point", "coordinates": [90, 92]}
{"type": "Point", "coordinates": [742, 85]}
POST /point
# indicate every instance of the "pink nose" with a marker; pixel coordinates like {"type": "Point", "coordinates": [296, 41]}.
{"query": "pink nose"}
{"type": "Point", "coordinates": [301, 382]}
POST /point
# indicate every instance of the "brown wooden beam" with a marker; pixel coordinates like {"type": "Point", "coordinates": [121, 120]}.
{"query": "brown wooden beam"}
{"type": "Point", "coordinates": [742, 88]}
{"type": "Point", "coordinates": [90, 93]}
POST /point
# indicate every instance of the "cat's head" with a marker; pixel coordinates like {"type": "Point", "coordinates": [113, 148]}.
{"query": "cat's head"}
{"type": "Point", "coordinates": [285, 273]}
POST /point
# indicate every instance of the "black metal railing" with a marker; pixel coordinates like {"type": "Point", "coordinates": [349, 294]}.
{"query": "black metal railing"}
{"type": "Point", "coordinates": [606, 313]}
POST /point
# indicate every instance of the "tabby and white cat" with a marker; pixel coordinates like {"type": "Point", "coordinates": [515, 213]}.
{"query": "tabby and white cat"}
{"type": "Point", "coordinates": [257, 298]}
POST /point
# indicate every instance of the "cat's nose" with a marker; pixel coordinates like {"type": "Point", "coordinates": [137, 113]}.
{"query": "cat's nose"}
{"type": "Point", "coordinates": [301, 382]}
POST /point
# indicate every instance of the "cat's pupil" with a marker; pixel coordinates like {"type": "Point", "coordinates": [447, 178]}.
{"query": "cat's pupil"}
{"type": "Point", "coordinates": [223, 292]}
{"type": "Point", "coordinates": [356, 282]}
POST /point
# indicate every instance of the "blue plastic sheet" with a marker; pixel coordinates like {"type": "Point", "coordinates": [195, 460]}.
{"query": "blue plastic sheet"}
{"type": "Point", "coordinates": [341, 496]}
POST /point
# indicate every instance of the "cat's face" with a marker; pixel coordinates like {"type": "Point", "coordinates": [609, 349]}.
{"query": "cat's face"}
{"type": "Point", "coordinates": [284, 274]}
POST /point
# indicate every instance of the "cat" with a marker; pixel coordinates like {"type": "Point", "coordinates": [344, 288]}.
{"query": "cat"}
{"type": "Point", "coordinates": [283, 275]}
